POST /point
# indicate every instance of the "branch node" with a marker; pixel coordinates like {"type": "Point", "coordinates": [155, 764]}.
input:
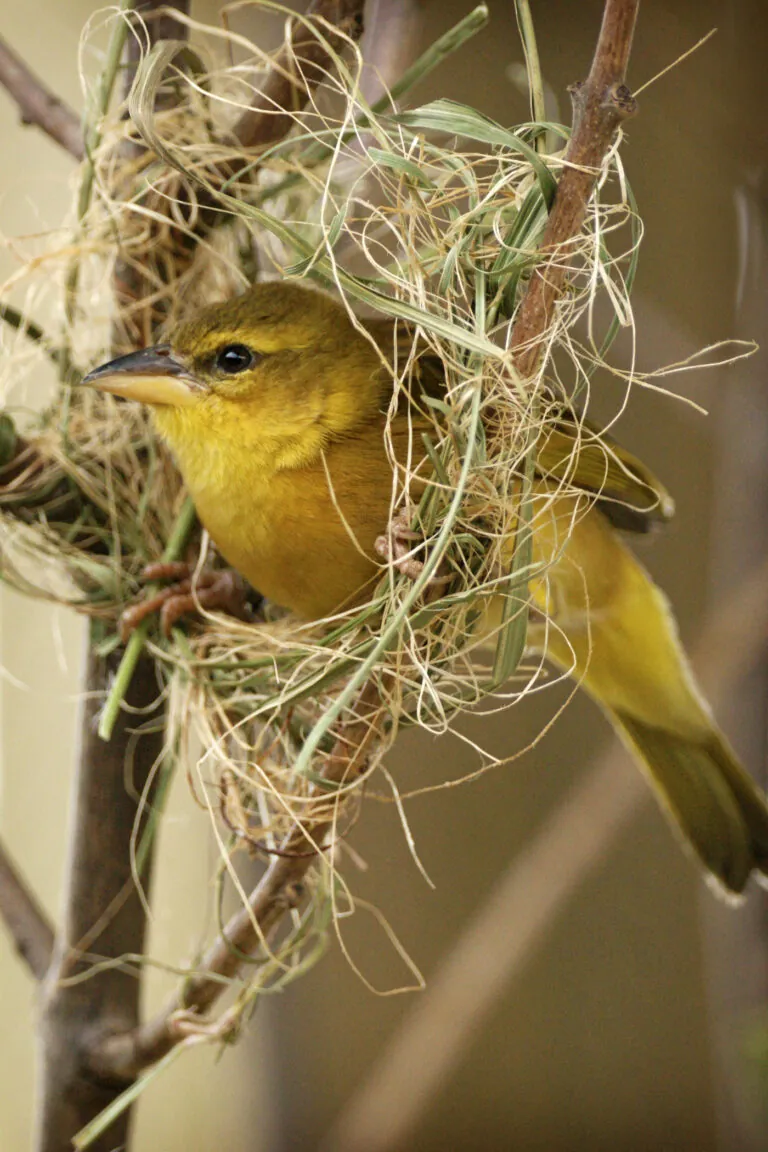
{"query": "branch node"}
{"type": "Point", "coordinates": [621, 101]}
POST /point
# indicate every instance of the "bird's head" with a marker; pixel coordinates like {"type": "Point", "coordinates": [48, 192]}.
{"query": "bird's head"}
{"type": "Point", "coordinates": [281, 369]}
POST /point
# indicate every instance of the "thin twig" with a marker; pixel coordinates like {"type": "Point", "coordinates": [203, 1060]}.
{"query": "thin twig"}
{"type": "Point", "coordinates": [524, 904]}
{"type": "Point", "coordinates": [600, 105]}
{"type": "Point", "coordinates": [38, 105]}
{"type": "Point", "coordinates": [25, 920]}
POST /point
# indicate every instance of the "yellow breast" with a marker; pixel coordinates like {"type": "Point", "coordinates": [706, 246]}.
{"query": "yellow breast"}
{"type": "Point", "coordinates": [302, 536]}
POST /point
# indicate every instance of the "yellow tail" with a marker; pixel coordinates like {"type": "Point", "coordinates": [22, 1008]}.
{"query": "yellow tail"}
{"type": "Point", "coordinates": [615, 632]}
{"type": "Point", "coordinates": [711, 801]}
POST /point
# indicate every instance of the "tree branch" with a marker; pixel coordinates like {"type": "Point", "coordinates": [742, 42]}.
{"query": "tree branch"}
{"type": "Point", "coordinates": [103, 912]}
{"type": "Point", "coordinates": [279, 890]}
{"type": "Point", "coordinates": [38, 105]}
{"type": "Point", "coordinates": [25, 920]}
{"type": "Point", "coordinates": [524, 904]}
{"type": "Point", "coordinates": [600, 104]}
{"type": "Point", "coordinates": [288, 87]}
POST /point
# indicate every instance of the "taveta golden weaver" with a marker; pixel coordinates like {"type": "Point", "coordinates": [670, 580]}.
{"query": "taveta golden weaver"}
{"type": "Point", "coordinates": [274, 405]}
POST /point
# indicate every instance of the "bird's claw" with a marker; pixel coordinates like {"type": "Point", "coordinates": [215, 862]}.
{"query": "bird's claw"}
{"type": "Point", "coordinates": [397, 548]}
{"type": "Point", "coordinates": [222, 590]}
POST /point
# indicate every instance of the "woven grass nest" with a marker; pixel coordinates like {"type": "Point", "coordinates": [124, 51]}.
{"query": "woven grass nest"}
{"type": "Point", "coordinates": [432, 216]}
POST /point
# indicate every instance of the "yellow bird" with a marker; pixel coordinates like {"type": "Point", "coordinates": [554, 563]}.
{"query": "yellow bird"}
{"type": "Point", "coordinates": [274, 405]}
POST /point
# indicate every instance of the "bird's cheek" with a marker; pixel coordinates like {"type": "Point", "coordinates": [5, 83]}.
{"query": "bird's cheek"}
{"type": "Point", "coordinates": [284, 414]}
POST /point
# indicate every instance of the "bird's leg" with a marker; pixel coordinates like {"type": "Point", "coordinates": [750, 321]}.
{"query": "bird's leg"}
{"type": "Point", "coordinates": [222, 590]}
{"type": "Point", "coordinates": [176, 570]}
{"type": "Point", "coordinates": [397, 547]}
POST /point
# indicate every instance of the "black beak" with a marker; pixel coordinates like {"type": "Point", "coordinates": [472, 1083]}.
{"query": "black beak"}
{"type": "Point", "coordinates": [152, 376]}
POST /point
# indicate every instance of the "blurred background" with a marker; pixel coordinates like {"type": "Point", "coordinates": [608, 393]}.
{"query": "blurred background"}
{"type": "Point", "coordinates": [640, 1020]}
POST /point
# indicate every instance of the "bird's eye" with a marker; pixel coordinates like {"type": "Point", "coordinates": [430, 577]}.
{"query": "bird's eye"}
{"type": "Point", "coordinates": [234, 358]}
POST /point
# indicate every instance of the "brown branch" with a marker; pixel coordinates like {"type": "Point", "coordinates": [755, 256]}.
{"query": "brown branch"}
{"type": "Point", "coordinates": [38, 105]}
{"type": "Point", "coordinates": [279, 890]}
{"type": "Point", "coordinates": [287, 87]}
{"type": "Point", "coordinates": [600, 105]}
{"type": "Point", "coordinates": [524, 904]}
{"type": "Point", "coordinates": [103, 912]}
{"type": "Point", "coordinates": [25, 920]}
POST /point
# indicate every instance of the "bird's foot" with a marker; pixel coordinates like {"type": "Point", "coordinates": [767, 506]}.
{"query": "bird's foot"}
{"type": "Point", "coordinates": [217, 590]}
{"type": "Point", "coordinates": [397, 546]}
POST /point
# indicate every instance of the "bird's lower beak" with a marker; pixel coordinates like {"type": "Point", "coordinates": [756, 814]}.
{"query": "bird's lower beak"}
{"type": "Point", "coordinates": [152, 376]}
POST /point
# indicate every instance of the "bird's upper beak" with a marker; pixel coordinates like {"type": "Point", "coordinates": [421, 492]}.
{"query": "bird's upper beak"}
{"type": "Point", "coordinates": [152, 376]}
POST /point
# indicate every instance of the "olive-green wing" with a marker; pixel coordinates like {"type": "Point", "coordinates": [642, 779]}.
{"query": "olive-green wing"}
{"type": "Point", "coordinates": [572, 452]}
{"type": "Point", "coordinates": [577, 454]}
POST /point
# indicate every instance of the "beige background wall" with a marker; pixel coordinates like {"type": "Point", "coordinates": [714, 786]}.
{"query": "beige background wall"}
{"type": "Point", "coordinates": [607, 1039]}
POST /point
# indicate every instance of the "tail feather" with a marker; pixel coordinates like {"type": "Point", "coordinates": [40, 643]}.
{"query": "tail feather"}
{"type": "Point", "coordinates": [616, 634]}
{"type": "Point", "coordinates": [709, 798]}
